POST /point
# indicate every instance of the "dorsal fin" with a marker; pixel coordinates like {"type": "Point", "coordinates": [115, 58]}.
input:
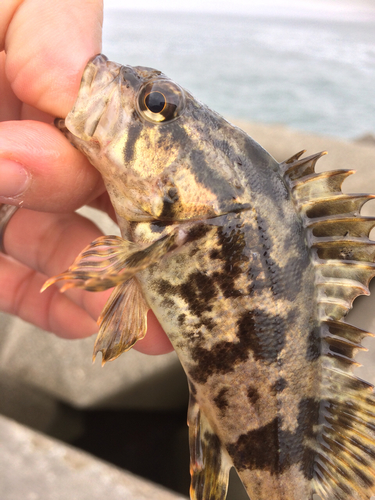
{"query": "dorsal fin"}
{"type": "Point", "coordinates": [337, 234]}
{"type": "Point", "coordinates": [343, 257]}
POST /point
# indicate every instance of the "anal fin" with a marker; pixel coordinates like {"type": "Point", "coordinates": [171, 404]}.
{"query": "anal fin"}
{"type": "Point", "coordinates": [209, 462]}
{"type": "Point", "coordinates": [122, 322]}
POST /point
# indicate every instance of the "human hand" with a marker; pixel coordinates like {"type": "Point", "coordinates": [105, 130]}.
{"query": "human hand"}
{"type": "Point", "coordinates": [45, 48]}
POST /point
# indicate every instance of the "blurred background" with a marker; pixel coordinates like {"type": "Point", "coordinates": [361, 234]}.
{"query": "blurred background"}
{"type": "Point", "coordinates": [306, 64]}
{"type": "Point", "coordinates": [295, 75]}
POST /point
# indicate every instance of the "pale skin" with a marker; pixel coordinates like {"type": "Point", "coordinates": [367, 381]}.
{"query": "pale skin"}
{"type": "Point", "coordinates": [45, 47]}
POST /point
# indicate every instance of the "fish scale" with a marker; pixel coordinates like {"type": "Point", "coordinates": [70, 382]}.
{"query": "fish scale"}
{"type": "Point", "coordinates": [250, 267]}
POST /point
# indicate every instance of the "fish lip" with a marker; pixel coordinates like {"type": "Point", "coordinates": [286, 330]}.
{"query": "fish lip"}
{"type": "Point", "coordinates": [91, 69]}
{"type": "Point", "coordinates": [99, 76]}
{"type": "Point", "coordinates": [96, 66]}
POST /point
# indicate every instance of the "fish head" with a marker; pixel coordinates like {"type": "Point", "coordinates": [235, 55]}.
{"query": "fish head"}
{"type": "Point", "coordinates": [163, 154]}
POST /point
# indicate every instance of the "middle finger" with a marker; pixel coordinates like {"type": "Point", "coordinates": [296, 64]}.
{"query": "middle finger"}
{"type": "Point", "coordinates": [58, 178]}
{"type": "Point", "coordinates": [48, 243]}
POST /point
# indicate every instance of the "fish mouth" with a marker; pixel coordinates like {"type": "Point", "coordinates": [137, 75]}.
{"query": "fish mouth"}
{"type": "Point", "coordinates": [105, 88]}
{"type": "Point", "coordinates": [83, 119]}
{"type": "Point", "coordinates": [98, 67]}
{"type": "Point", "coordinates": [99, 82]}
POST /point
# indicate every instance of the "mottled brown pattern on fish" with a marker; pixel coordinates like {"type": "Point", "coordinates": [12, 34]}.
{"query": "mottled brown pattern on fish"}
{"type": "Point", "coordinates": [232, 336]}
{"type": "Point", "coordinates": [250, 267]}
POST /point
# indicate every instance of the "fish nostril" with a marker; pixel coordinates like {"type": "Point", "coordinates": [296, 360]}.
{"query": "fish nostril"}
{"type": "Point", "coordinates": [173, 194]}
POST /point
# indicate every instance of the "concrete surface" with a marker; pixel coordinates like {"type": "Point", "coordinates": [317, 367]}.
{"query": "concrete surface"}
{"type": "Point", "coordinates": [36, 467]}
{"type": "Point", "coordinates": [64, 369]}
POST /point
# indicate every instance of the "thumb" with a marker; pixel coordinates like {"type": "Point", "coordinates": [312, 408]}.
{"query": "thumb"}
{"type": "Point", "coordinates": [48, 44]}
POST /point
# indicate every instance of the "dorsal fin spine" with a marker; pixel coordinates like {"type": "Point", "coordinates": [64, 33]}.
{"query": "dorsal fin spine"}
{"type": "Point", "coordinates": [295, 167]}
{"type": "Point", "coordinates": [342, 225]}
{"type": "Point", "coordinates": [319, 186]}
{"type": "Point", "coordinates": [337, 205]}
{"type": "Point", "coordinates": [332, 339]}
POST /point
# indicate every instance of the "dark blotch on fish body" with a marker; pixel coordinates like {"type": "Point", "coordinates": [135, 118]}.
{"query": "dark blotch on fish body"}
{"type": "Point", "coordinates": [198, 231]}
{"type": "Point", "coordinates": [167, 303]}
{"type": "Point", "coordinates": [253, 395]}
{"type": "Point", "coordinates": [133, 134]}
{"type": "Point", "coordinates": [275, 450]}
{"type": "Point", "coordinates": [279, 385]}
{"type": "Point", "coordinates": [258, 449]}
{"type": "Point", "coordinates": [265, 335]}
{"type": "Point", "coordinates": [308, 418]}
{"type": "Point", "coordinates": [230, 250]}
{"type": "Point", "coordinates": [181, 318]}
{"type": "Point", "coordinates": [313, 350]}
{"type": "Point", "coordinates": [198, 291]}
{"type": "Point", "coordinates": [223, 356]}
{"type": "Point", "coordinates": [221, 400]}
{"type": "Point", "coordinates": [165, 287]}
{"type": "Point", "coordinates": [253, 336]}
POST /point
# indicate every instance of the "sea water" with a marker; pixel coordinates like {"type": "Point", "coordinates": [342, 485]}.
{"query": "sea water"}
{"type": "Point", "coordinates": [309, 74]}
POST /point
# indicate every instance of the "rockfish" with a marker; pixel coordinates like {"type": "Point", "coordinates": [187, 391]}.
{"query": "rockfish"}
{"type": "Point", "coordinates": [250, 267]}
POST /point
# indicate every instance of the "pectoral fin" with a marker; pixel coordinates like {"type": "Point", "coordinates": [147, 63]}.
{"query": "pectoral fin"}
{"type": "Point", "coordinates": [109, 261]}
{"type": "Point", "coordinates": [209, 461]}
{"type": "Point", "coordinates": [123, 321]}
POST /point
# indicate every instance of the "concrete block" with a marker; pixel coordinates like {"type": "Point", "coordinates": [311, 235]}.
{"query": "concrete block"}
{"type": "Point", "coordinates": [36, 467]}
{"type": "Point", "coordinates": [63, 369]}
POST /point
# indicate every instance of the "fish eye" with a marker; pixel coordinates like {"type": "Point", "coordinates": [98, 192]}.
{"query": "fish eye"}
{"type": "Point", "coordinates": [155, 102]}
{"type": "Point", "coordinates": [160, 101]}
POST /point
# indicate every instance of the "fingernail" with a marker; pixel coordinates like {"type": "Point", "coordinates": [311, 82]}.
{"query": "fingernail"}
{"type": "Point", "coordinates": [14, 178]}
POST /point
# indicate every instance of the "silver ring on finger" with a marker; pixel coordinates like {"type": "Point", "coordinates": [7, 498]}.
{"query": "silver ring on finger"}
{"type": "Point", "coordinates": [6, 213]}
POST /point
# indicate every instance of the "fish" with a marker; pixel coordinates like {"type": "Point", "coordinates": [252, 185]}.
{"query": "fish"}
{"type": "Point", "coordinates": [250, 266]}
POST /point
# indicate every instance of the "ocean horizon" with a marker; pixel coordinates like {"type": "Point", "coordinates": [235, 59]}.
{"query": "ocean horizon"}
{"type": "Point", "coordinates": [311, 74]}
